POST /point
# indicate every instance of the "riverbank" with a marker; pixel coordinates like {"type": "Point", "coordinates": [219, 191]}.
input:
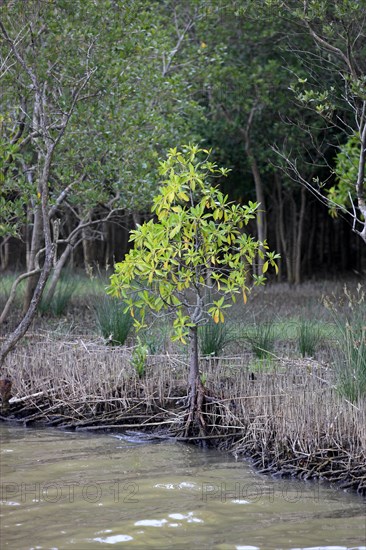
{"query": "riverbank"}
{"type": "Point", "coordinates": [287, 416]}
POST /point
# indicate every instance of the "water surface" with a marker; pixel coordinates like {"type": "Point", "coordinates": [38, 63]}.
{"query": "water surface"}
{"type": "Point", "coordinates": [63, 490]}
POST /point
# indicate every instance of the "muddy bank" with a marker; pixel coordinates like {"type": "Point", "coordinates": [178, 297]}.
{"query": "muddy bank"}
{"type": "Point", "coordinates": [290, 420]}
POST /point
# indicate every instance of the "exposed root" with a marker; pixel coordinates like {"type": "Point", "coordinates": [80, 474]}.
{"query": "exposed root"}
{"type": "Point", "coordinates": [195, 411]}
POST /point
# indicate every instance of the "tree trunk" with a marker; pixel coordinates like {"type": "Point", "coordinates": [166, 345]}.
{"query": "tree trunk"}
{"type": "Point", "coordinates": [87, 250]}
{"type": "Point", "coordinates": [299, 237]}
{"type": "Point", "coordinates": [259, 193]}
{"type": "Point", "coordinates": [196, 389]}
{"type": "Point", "coordinates": [57, 272]}
{"type": "Point", "coordinates": [309, 253]}
{"type": "Point", "coordinates": [261, 218]}
{"type": "Point", "coordinates": [286, 248]}
{"type": "Point", "coordinates": [277, 201]}
{"type": "Point", "coordinates": [136, 217]}
{"type": "Point", "coordinates": [4, 253]}
{"type": "Point", "coordinates": [12, 294]}
{"type": "Point", "coordinates": [193, 361]}
{"type": "Point", "coordinates": [107, 238]}
{"type": "Point", "coordinates": [35, 246]}
{"type": "Point", "coordinates": [73, 238]}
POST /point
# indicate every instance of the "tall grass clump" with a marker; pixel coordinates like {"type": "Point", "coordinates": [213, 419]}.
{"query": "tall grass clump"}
{"type": "Point", "coordinates": [308, 337]}
{"type": "Point", "coordinates": [59, 302]}
{"type": "Point", "coordinates": [351, 363]}
{"type": "Point", "coordinates": [113, 323]}
{"type": "Point", "coordinates": [213, 337]}
{"type": "Point", "coordinates": [349, 353]}
{"type": "Point", "coordinates": [261, 338]}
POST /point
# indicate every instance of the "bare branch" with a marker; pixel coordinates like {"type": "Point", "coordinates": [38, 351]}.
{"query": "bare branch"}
{"type": "Point", "coordinates": [294, 174]}
{"type": "Point", "coordinates": [181, 34]}
{"type": "Point", "coordinates": [60, 199]}
{"type": "Point", "coordinates": [12, 293]}
{"type": "Point", "coordinates": [13, 46]}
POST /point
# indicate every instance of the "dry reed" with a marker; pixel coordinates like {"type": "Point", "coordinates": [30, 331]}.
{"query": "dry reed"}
{"type": "Point", "coordinates": [290, 420]}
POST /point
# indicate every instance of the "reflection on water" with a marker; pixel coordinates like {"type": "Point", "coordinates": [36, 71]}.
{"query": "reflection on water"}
{"type": "Point", "coordinates": [64, 490]}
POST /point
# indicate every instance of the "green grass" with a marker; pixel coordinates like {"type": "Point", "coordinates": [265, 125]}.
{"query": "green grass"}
{"type": "Point", "coordinates": [95, 286]}
{"type": "Point", "coordinates": [309, 337]}
{"type": "Point", "coordinates": [350, 362]}
{"type": "Point", "coordinates": [213, 337]}
{"type": "Point", "coordinates": [65, 289]}
{"type": "Point", "coordinates": [85, 287]}
{"type": "Point", "coordinates": [261, 338]}
{"type": "Point", "coordinates": [113, 323]}
{"type": "Point", "coordinates": [6, 282]}
{"type": "Point", "coordinates": [139, 358]}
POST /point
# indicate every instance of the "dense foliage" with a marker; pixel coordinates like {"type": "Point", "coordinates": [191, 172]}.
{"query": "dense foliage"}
{"type": "Point", "coordinates": [275, 87]}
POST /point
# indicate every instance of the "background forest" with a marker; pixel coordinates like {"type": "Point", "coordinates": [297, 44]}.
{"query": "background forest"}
{"type": "Point", "coordinates": [95, 92]}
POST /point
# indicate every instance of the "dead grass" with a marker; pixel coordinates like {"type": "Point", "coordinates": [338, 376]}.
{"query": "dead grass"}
{"type": "Point", "coordinates": [290, 418]}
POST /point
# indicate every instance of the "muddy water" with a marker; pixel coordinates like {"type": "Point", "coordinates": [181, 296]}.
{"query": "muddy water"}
{"type": "Point", "coordinates": [64, 490]}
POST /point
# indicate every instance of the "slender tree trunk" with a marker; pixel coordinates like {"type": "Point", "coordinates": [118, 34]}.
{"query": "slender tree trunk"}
{"type": "Point", "coordinates": [361, 180]}
{"type": "Point", "coordinates": [261, 219]}
{"type": "Point", "coordinates": [286, 248]}
{"type": "Point", "coordinates": [107, 242]}
{"type": "Point", "coordinates": [4, 254]}
{"type": "Point", "coordinates": [35, 246]}
{"type": "Point", "coordinates": [80, 232]}
{"type": "Point", "coordinates": [299, 238]}
{"type": "Point", "coordinates": [124, 233]}
{"type": "Point", "coordinates": [12, 294]}
{"type": "Point", "coordinates": [87, 249]}
{"type": "Point", "coordinates": [278, 247]}
{"type": "Point", "coordinates": [276, 198]}
{"type": "Point", "coordinates": [61, 262]}
{"type": "Point", "coordinates": [259, 192]}
{"type": "Point", "coordinates": [309, 253]}
{"type": "Point", "coordinates": [193, 376]}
